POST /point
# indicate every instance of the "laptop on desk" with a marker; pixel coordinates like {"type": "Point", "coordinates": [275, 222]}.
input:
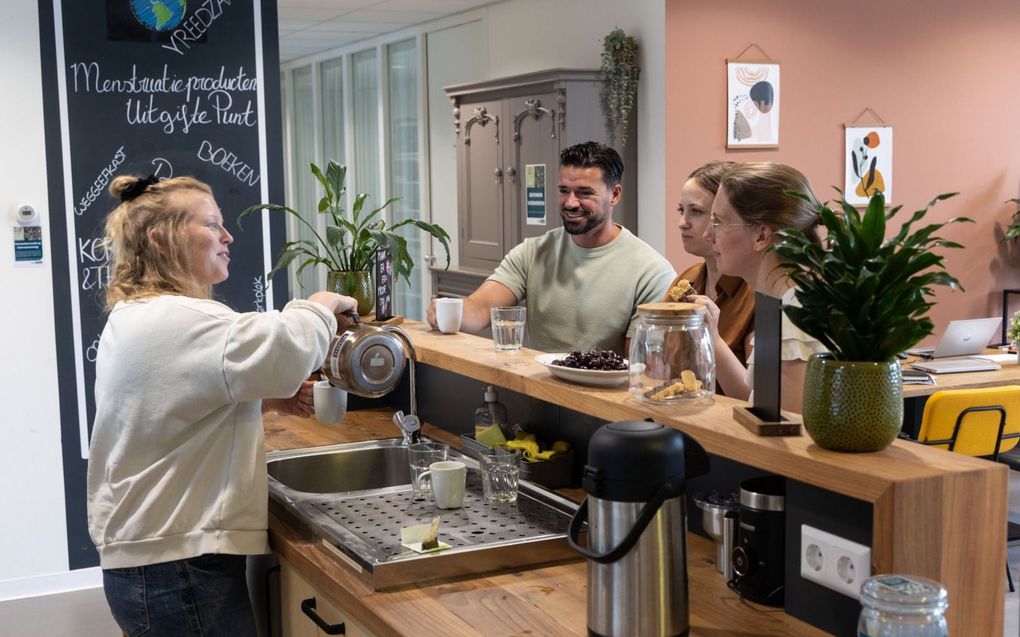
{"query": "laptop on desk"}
{"type": "Point", "coordinates": [962, 338]}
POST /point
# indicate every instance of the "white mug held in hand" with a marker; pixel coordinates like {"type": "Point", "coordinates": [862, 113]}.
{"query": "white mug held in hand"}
{"type": "Point", "coordinates": [449, 478]}
{"type": "Point", "coordinates": [330, 402]}
{"type": "Point", "coordinates": [449, 313]}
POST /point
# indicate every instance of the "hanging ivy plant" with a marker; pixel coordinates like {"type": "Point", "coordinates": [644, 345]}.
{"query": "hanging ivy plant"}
{"type": "Point", "coordinates": [620, 73]}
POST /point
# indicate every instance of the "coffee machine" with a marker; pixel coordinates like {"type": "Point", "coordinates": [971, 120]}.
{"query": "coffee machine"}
{"type": "Point", "coordinates": [637, 528]}
{"type": "Point", "coordinates": [758, 558]}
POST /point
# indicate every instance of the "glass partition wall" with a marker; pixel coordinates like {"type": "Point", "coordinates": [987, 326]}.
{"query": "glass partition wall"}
{"type": "Point", "coordinates": [363, 109]}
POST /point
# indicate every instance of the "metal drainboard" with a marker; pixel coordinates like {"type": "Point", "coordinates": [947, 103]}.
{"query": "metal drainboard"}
{"type": "Point", "coordinates": [377, 518]}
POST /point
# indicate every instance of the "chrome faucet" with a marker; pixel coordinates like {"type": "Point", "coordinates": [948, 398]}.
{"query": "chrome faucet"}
{"type": "Point", "coordinates": [409, 425]}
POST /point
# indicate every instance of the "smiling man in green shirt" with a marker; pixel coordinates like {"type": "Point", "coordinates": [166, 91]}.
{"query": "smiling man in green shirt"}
{"type": "Point", "coordinates": [581, 283]}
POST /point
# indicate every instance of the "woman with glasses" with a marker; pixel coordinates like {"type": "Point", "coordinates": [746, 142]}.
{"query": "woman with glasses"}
{"type": "Point", "coordinates": [752, 202]}
{"type": "Point", "coordinates": [733, 296]}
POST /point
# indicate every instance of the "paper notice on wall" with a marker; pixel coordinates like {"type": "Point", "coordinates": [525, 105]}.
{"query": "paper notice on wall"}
{"type": "Point", "coordinates": [534, 194]}
{"type": "Point", "coordinates": [28, 248]}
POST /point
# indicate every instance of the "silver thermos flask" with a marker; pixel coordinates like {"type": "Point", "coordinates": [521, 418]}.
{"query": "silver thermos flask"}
{"type": "Point", "coordinates": [635, 479]}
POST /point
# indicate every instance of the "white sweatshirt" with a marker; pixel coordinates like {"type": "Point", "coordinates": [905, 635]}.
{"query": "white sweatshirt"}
{"type": "Point", "coordinates": [177, 460]}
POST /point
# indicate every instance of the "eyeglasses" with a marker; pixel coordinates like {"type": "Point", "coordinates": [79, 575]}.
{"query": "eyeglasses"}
{"type": "Point", "coordinates": [717, 223]}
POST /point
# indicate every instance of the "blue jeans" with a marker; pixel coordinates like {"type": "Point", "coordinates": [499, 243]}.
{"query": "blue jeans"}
{"type": "Point", "coordinates": [204, 596]}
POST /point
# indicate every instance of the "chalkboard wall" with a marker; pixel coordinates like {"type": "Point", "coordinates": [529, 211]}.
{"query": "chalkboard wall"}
{"type": "Point", "coordinates": [133, 88]}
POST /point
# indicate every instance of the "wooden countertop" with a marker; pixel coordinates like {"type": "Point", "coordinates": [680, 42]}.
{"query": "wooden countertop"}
{"type": "Point", "coordinates": [547, 602]}
{"type": "Point", "coordinates": [937, 514]}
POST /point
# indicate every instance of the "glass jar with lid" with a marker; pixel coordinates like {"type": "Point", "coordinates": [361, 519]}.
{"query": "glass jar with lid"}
{"type": "Point", "coordinates": [902, 606]}
{"type": "Point", "coordinates": [671, 356]}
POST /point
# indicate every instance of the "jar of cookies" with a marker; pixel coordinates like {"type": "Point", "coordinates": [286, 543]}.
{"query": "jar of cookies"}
{"type": "Point", "coordinates": [671, 357]}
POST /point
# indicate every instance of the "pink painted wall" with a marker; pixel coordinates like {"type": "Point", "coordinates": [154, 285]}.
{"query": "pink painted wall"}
{"type": "Point", "coordinates": [943, 73]}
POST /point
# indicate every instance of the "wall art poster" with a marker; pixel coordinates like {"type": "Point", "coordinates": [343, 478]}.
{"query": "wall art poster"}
{"type": "Point", "coordinates": [868, 161]}
{"type": "Point", "coordinates": [752, 115]}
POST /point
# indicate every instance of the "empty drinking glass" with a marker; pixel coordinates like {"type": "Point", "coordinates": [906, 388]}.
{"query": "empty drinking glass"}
{"type": "Point", "coordinates": [419, 457]}
{"type": "Point", "coordinates": [508, 327]}
{"type": "Point", "coordinates": [500, 473]}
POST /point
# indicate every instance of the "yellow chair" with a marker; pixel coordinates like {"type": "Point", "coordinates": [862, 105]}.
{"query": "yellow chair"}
{"type": "Point", "coordinates": [981, 422]}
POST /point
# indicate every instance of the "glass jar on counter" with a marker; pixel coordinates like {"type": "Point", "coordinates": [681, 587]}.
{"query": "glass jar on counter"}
{"type": "Point", "coordinates": [671, 357]}
{"type": "Point", "coordinates": [902, 606]}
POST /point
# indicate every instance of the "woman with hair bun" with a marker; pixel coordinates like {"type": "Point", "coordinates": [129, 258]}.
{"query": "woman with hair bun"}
{"type": "Point", "coordinates": [752, 203]}
{"type": "Point", "coordinates": [177, 492]}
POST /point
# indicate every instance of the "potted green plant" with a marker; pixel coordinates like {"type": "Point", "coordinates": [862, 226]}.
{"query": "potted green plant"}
{"type": "Point", "coordinates": [350, 243]}
{"type": "Point", "coordinates": [1013, 334]}
{"type": "Point", "coordinates": [866, 299]}
{"type": "Point", "coordinates": [620, 72]}
{"type": "Point", "coordinates": [1013, 231]}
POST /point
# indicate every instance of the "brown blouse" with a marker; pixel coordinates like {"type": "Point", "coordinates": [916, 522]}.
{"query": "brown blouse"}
{"type": "Point", "coordinates": [735, 299]}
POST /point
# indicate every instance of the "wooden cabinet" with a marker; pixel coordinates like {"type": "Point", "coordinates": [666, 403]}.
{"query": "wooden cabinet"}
{"type": "Point", "coordinates": [511, 128]}
{"type": "Point", "coordinates": [294, 590]}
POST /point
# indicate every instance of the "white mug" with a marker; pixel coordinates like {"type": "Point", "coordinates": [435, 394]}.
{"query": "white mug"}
{"type": "Point", "coordinates": [449, 313]}
{"type": "Point", "coordinates": [449, 478]}
{"type": "Point", "coordinates": [330, 402]}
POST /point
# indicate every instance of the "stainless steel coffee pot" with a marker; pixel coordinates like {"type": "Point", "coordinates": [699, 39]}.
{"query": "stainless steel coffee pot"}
{"type": "Point", "coordinates": [637, 528]}
{"type": "Point", "coordinates": [369, 361]}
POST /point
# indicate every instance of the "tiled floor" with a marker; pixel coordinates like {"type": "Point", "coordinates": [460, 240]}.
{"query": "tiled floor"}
{"type": "Point", "coordinates": [85, 613]}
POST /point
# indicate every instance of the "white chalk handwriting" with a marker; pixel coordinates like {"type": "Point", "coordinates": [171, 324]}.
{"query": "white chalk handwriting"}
{"type": "Point", "coordinates": [195, 25]}
{"type": "Point", "coordinates": [100, 182]}
{"type": "Point", "coordinates": [172, 102]}
{"type": "Point", "coordinates": [229, 162]}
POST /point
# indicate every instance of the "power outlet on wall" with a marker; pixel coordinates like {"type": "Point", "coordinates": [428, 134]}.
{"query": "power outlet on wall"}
{"type": "Point", "coordinates": [833, 562]}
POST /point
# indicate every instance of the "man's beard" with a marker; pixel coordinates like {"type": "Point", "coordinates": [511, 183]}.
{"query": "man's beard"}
{"type": "Point", "coordinates": [580, 225]}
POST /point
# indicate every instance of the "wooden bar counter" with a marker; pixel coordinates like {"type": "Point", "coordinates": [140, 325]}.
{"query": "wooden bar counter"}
{"type": "Point", "coordinates": [541, 602]}
{"type": "Point", "coordinates": [936, 514]}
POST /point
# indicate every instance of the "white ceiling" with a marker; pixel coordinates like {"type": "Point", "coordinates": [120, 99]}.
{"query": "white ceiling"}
{"type": "Point", "coordinates": [312, 26]}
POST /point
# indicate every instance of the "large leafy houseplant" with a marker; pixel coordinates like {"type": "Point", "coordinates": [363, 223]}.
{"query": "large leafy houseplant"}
{"type": "Point", "coordinates": [866, 299]}
{"type": "Point", "coordinates": [620, 72]}
{"type": "Point", "coordinates": [350, 241]}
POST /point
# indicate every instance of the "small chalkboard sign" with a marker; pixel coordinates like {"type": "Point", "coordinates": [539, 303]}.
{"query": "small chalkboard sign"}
{"type": "Point", "coordinates": [383, 285]}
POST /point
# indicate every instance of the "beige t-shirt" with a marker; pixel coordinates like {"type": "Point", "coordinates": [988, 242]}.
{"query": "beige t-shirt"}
{"type": "Point", "coordinates": [583, 298]}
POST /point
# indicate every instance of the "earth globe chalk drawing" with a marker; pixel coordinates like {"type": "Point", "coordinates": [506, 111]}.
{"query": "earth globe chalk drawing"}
{"type": "Point", "coordinates": [159, 15]}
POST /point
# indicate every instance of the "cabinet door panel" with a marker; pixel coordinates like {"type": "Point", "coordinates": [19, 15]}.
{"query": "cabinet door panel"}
{"type": "Point", "coordinates": [534, 131]}
{"type": "Point", "coordinates": [480, 193]}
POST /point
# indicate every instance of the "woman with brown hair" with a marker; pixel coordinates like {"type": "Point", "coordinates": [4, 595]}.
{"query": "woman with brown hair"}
{"type": "Point", "coordinates": [753, 202]}
{"type": "Point", "coordinates": [177, 492]}
{"type": "Point", "coordinates": [733, 295]}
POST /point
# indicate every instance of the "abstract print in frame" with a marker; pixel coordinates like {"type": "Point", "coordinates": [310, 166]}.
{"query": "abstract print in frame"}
{"type": "Point", "coordinates": [868, 160]}
{"type": "Point", "coordinates": [752, 106]}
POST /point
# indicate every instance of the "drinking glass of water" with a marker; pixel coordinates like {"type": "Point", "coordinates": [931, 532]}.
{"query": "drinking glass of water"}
{"type": "Point", "coordinates": [419, 457]}
{"type": "Point", "coordinates": [508, 327]}
{"type": "Point", "coordinates": [500, 472]}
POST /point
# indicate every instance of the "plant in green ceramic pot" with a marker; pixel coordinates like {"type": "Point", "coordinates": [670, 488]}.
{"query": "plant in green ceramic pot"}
{"type": "Point", "coordinates": [351, 241]}
{"type": "Point", "coordinates": [866, 299]}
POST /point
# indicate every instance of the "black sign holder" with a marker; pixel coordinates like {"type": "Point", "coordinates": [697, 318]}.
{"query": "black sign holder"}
{"type": "Point", "coordinates": [765, 418]}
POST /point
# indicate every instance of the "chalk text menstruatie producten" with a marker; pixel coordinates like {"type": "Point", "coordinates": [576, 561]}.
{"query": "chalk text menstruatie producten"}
{"type": "Point", "coordinates": [207, 99]}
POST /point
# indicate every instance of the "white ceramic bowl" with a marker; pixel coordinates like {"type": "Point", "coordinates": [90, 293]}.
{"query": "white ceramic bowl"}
{"type": "Point", "coordinates": [597, 378]}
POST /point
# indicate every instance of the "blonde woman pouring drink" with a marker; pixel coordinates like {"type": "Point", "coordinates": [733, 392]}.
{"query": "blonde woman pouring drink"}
{"type": "Point", "coordinates": [177, 492]}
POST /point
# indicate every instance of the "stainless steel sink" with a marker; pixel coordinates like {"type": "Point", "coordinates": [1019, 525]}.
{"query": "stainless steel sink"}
{"type": "Point", "coordinates": [357, 497]}
{"type": "Point", "coordinates": [349, 467]}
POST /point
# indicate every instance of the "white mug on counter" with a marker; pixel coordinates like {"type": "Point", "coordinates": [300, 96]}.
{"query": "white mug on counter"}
{"type": "Point", "coordinates": [330, 402]}
{"type": "Point", "coordinates": [449, 478]}
{"type": "Point", "coordinates": [449, 313]}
